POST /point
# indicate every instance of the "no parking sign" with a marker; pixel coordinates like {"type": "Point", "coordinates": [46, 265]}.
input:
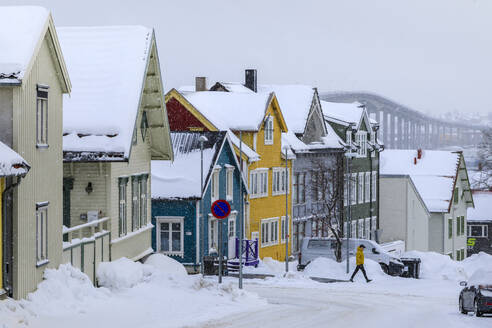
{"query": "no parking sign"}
{"type": "Point", "coordinates": [221, 209]}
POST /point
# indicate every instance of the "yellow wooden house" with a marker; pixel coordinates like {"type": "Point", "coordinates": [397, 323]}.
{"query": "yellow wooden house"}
{"type": "Point", "coordinates": [257, 117]}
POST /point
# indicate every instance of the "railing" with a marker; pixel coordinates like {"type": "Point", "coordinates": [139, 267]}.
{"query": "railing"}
{"type": "Point", "coordinates": [86, 245]}
{"type": "Point", "coordinates": [250, 252]}
{"type": "Point", "coordinates": [86, 230]}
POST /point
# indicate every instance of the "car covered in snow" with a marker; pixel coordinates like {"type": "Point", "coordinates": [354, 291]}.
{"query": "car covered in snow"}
{"type": "Point", "coordinates": [314, 247]}
{"type": "Point", "coordinates": [477, 295]}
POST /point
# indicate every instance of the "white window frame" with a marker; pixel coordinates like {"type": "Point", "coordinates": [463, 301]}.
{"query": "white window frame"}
{"type": "Point", "coordinates": [135, 202]}
{"type": "Point", "coordinates": [229, 182]}
{"type": "Point", "coordinates": [215, 184]}
{"type": "Point", "coordinates": [374, 182]}
{"type": "Point", "coordinates": [213, 238]}
{"type": "Point", "coordinates": [373, 141]}
{"type": "Point", "coordinates": [170, 220]}
{"type": "Point", "coordinates": [360, 188]}
{"type": "Point", "coordinates": [42, 233]}
{"type": "Point", "coordinates": [282, 225]}
{"type": "Point", "coordinates": [345, 232]}
{"type": "Point", "coordinates": [345, 189]}
{"type": "Point", "coordinates": [353, 189]}
{"type": "Point", "coordinates": [258, 183]}
{"type": "Point", "coordinates": [360, 229]}
{"type": "Point", "coordinates": [123, 204]}
{"type": "Point", "coordinates": [367, 228]}
{"type": "Point", "coordinates": [268, 130]}
{"type": "Point", "coordinates": [353, 227]}
{"type": "Point", "coordinates": [278, 181]}
{"type": "Point", "coordinates": [231, 226]}
{"type": "Point", "coordinates": [373, 228]}
{"type": "Point", "coordinates": [269, 232]}
{"type": "Point", "coordinates": [367, 187]}
{"type": "Point", "coordinates": [484, 234]}
{"type": "Point", "coordinates": [361, 140]}
{"type": "Point", "coordinates": [42, 110]}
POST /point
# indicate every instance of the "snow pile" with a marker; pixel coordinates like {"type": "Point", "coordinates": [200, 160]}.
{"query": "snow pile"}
{"type": "Point", "coordinates": [329, 268]}
{"type": "Point", "coordinates": [481, 277]}
{"type": "Point", "coordinates": [166, 265]}
{"type": "Point", "coordinates": [270, 266]}
{"type": "Point", "coordinates": [438, 266]}
{"type": "Point", "coordinates": [122, 273]}
{"type": "Point", "coordinates": [483, 207]}
{"type": "Point", "coordinates": [11, 163]}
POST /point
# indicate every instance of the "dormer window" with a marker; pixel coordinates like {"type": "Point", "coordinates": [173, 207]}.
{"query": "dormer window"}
{"type": "Point", "coordinates": [269, 131]}
{"type": "Point", "coordinates": [361, 140]}
{"type": "Point", "coordinates": [349, 138]}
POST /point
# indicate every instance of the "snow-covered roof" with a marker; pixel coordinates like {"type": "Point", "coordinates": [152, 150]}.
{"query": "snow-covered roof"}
{"type": "Point", "coordinates": [346, 112]}
{"type": "Point", "coordinates": [107, 67]}
{"type": "Point", "coordinates": [295, 102]}
{"type": "Point", "coordinates": [483, 206]}
{"type": "Point", "coordinates": [228, 110]}
{"type": "Point", "coordinates": [250, 153]}
{"type": "Point", "coordinates": [20, 30]}
{"type": "Point", "coordinates": [11, 163]}
{"type": "Point", "coordinates": [433, 175]}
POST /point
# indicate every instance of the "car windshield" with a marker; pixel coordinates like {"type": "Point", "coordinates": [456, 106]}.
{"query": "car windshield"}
{"type": "Point", "coordinates": [319, 244]}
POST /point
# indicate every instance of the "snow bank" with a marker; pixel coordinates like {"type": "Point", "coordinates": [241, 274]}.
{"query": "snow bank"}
{"type": "Point", "coordinates": [166, 265]}
{"type": "Point", "coordinates": [481, 277]}
{"type": "Point", "coordinates": [329, 268]}
{"type": "Point", "coordinates": [122, 273]}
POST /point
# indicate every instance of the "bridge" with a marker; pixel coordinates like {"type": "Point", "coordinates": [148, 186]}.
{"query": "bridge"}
{"type": "Point", "coordinates": [404, 128]}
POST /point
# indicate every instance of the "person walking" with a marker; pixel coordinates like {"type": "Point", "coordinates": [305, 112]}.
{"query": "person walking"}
{"type": "Point", "coordinates": [359, 261]}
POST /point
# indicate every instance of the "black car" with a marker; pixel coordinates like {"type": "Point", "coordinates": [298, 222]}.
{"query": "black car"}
{"type": "Point", "coordinates": [477, 295]}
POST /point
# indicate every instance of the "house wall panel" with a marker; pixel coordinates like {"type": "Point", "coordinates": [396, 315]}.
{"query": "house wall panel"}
{"type": "Point", "coordinates": [44, 181]}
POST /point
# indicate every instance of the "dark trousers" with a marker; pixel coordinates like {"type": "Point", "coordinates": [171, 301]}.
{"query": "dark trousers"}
{"type": "Point", "coordinates": [361, 268]}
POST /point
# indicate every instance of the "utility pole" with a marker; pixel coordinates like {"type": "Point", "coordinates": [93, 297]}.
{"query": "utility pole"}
{"type": "Point", "coordinates": [286, 224]}
{"type": "Point", "coordinates": [241, 221]}
{"type": "Point", "coordinates": [349, 155]}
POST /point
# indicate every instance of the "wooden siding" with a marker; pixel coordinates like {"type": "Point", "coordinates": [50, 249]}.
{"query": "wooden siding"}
{"type": "Point", "coordinates": [44, 181]}
{"type": "Point", "coordinates": [180, 119]}
{"type": "Point", "coordinates": [80, 200]}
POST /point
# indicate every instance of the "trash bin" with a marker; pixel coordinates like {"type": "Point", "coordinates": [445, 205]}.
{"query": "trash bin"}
{"type": "Point", "coordinates": [208, 266]}
{"type": "Point", "coordinates": [412, 267]}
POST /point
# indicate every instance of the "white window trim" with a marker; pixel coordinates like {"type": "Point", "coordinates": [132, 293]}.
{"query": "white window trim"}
{"type": "Point", "coordinates": [270, 222]}
{"type": "Point", "coordinates": [170, 220]}
{"type": "Point", "coordinates": [360, 188]}
{"type": "Point", "coordinates": [360, 229]}
{"type": "Point", "coordinates": [281, 233]}
{"type": "Point", "coordinates": [232, 218]}
{"type": "Point", "coordinates": [42, 237]}
{"type": "Point", "coordinates": [259, 194]}
{"type": "Point", "coordinates": [42, 117]}
{"type": "Point", "coordinates": [367, 187]}
{"type": "Point", "coordinates": [353, 191]}
{"type": "Point", "coordinates": [229, 182]}
{"type": "Point", "coordinates": [374, 182]}
{"type": "Point", "coordinates": [483, 226]}
{"type": "Point", "coordinates": [215, 184]}
{"type": "Point", "coordinates": [268, 121]}
{"type": "Point", "coordinates": [361, 140]}
{"type": "Point", "coordinates": [279, 171]}
{"type": "Point", "coordinates": [211, 221]}
{"type": "Point", "coordinates": [353, 227]}
{"type": "Point", "coordinates": [373, 228]}
{"type": "Point", "coordinates": [367, 228]}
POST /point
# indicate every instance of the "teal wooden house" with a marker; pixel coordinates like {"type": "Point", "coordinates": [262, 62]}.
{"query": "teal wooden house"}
{"type": "Point", "coordinates": [176, 197]}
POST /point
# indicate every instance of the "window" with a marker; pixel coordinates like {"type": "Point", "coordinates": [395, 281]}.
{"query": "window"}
{"type": "Point", "coordinates": [299, 188]}
{"type": "Point", "coordinates": [360, 184]}
{"type": "Point", "coordinates": [373, 228]}
{"type": "Point", "coordinates": [345, 189]}
{"type": "Point", "coordinates": [360, 229]}
{"type": "Point", "coordinates": [279, 181]}
{"type": "Point", "coordinates": [348, 134]}
{"type": "Point", "coordinates": [135, 203]}
{"type": "Point", "coordinates": [478, 231]}
{"type": "Point", "coordinates": [462, 225]}
{"type": "Point", "coordinates": [367, 187]}
{"type": "Point", "coordinates": [214, 185]}
{"type": "Point", "coordinates": [353, 189]}
{"type": "Point", "coordinates": [367, 228]}
{"type": "Point", "coordinates": [462, 254]}
{"type": "Point", "coordinates": [345, 232]}
{"type": "Point", "coordinates": [361, 140]}
{"type": "Point", "coordinates": [458, 226]}
{"type": "Point", "coordinates": [259, 183]}
{"type": "Point", "coordinates": [353, 227]}
{"type": "Point", "coordinates": [318, 185]}
{"type": "Point", "coordinates": [122, 183]}
{"type": "Point", "coordinates": [269, 232]}
{"type": "Point", "coordinates": [143, 199]}
{"type": "Point", "coordinates": [170, 235]}
{"type": "Point", "coordinates": [456, 195]}
{"type": "Point", "coordinates": [41, 233]}
{"type": "Point", "coordinates": [450, 228]}
{"type": "Point", "coordinates": [230, 183]}
{"type": "Point", "coordinates": [373, 185]}
{"type": "Point", "coordinates": [144, 124]}
{"type": "Point", "coordinates": [213, 233]}
{"type": "Point", "coordinates": [42, 116]}
{"type": "Point", "coordinates": [373, 141]}
{"type": "Point", "coordinates": [458, 257]}
{"type": "Point", "coordinates": [269, 131]}
{"type": "Point", "coordinates": [283, 231]}
{"type": "Point", "coordinates": [231, 226]}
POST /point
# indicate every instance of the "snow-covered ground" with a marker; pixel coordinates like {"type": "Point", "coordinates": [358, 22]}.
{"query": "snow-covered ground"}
{"type": "Point", "coordinates": [160, 294]}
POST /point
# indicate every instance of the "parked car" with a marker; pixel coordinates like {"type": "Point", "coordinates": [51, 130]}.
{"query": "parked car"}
{"type": "Point", "coordinates": [477, 295]}
{"type": "Point", "coordinates": [314, 247]}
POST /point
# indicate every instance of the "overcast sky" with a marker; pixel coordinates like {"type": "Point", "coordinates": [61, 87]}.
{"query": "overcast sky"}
{"type": "Point", "coordinates": [433, 55]}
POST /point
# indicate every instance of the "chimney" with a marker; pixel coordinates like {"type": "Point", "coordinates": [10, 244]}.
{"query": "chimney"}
{"type": "Point", "coordinates": [200, 83]}
{"type": "Point", "coordinates": [250, 80]}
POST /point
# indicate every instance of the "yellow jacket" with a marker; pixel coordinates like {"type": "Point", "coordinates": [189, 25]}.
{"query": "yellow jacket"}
{"type": "Point", "coordinates": [359, 257]}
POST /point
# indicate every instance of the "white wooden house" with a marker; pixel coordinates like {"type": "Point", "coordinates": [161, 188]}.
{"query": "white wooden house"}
{"type": "Point", "coordinates": [114, 124]}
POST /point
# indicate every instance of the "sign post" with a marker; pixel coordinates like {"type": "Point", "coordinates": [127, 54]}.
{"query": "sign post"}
{"type": "Point", "coordinates": [220, 209]}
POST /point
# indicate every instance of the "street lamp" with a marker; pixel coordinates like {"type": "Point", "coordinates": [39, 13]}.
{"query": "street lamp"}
{"type": "Point", "coordinates": [349, 155]}
{"type": "Point", "coordinates": [286, 222]}
{"type": "Point", "coordinates": [202, 139]}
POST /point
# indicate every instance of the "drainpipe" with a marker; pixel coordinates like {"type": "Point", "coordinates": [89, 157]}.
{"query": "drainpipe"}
{"type": "Point", "coordinates": [8, 286]}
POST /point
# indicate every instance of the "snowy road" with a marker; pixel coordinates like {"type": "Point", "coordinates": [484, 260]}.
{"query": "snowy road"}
{"type": "Point", "coordinates": [342, 305]}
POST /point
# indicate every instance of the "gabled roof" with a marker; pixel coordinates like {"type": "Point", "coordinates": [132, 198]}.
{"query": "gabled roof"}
{"type": "Point", "coordinates": [234, 111]}
{"type": "Point", "coordinates": [11, 163]}
{"type": "Point", "coordinates": [483, 206]}
{"type": "Point", "coordinates": [22, 31]}
{"type": "Point", "coordinates": [434, 175]}
{"type": "Point", "coordinates": [181, 178]}
{"type": "Point", "coordinates": [109, 68]}
{"type": "Point", "coordinates": [343, 113]}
